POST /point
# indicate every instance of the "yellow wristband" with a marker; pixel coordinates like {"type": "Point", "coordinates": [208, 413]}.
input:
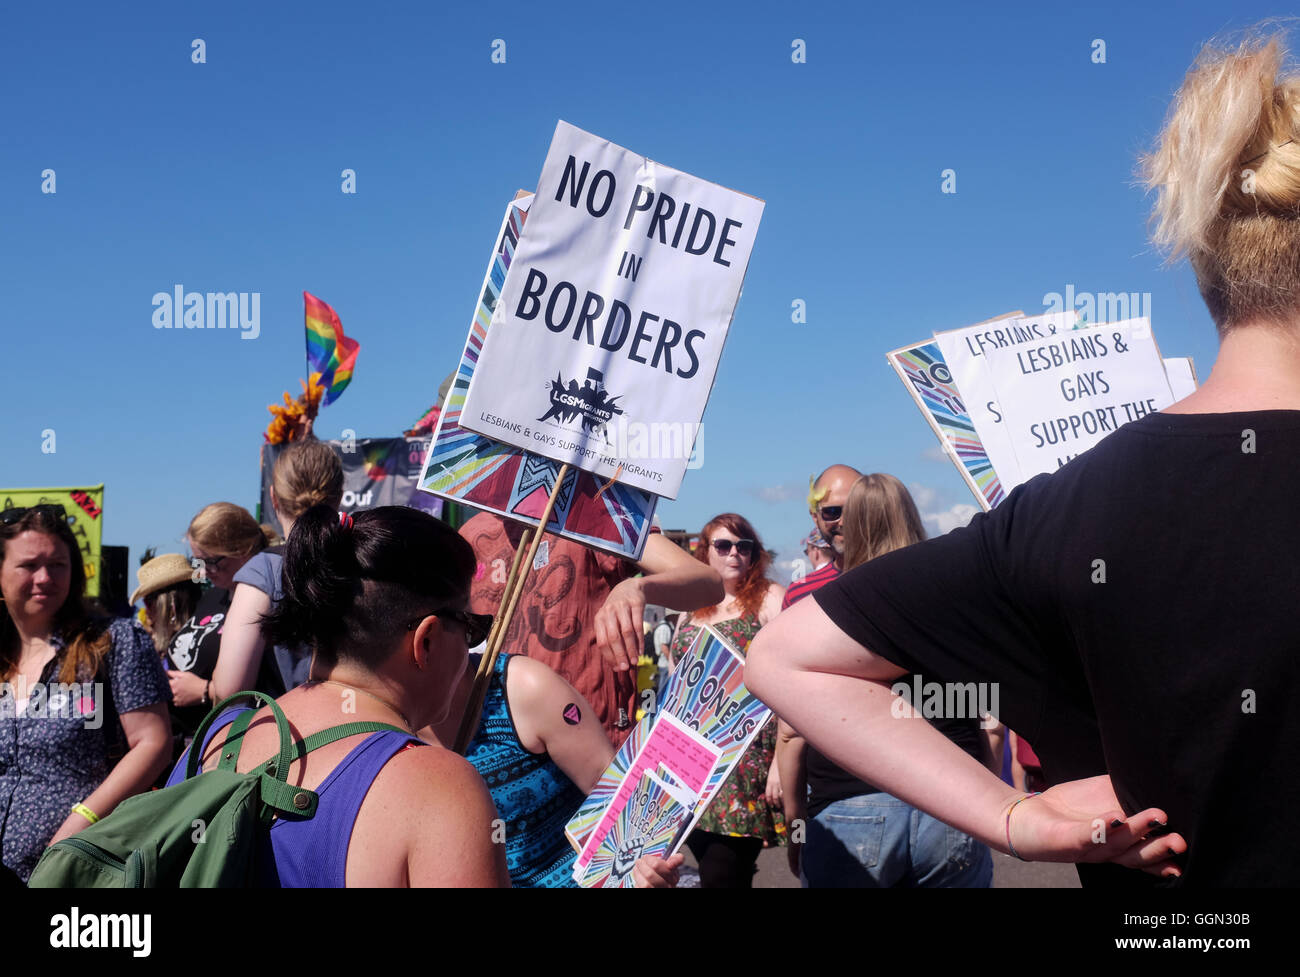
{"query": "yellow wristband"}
{"type": "Point", "coordinates": [85, 812]}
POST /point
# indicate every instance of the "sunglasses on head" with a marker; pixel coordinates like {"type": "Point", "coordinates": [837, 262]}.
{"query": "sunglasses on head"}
{"type": "Point", "coordinates": [10, 516]}
{"type": "Point", "coordinates": [831, 513]}
{"type": "Point", "coordinates": [477, 626]}
{"type": "Point", "coordinates": [744, 547]}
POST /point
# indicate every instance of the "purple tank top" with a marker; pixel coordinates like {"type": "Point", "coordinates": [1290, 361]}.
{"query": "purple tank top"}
{"type": "Point", "coordinates": [313, 854]}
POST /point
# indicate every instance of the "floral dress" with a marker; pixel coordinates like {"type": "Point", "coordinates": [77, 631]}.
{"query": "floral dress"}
{"type": "Point", "coordinates": [739, 809]}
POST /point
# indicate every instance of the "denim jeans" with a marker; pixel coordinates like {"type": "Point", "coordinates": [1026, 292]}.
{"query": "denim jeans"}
{"type": "Point", "coordinates": [876, 841]}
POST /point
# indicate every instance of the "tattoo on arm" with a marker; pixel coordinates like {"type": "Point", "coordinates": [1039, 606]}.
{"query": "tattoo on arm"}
{"type": "Point", "coordinates": [571, 714]}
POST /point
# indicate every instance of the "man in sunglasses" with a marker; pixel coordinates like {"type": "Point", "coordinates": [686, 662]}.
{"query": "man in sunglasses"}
{"type": "Point", "coordinates": [826, 498]}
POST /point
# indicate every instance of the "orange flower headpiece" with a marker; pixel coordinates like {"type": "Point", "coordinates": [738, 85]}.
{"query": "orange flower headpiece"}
{"type": "Point", "coordinates": [293, 421]}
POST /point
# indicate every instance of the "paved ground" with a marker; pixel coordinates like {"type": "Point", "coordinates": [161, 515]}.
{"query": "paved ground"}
{"type": "Point", "coordinates": [1008, 873]}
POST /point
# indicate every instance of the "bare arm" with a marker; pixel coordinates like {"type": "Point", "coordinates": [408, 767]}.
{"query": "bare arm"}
{"type": "Point", "coordinates": [771, 604]}
{"type": "Point", "coordinates": [552, 716]}
{"type": "Point", "coordinates": [454, 825]}
{"type": "Point", "coordinates": [791, 757]}
{"type": "Point", "coordinates": [673, 578]}
{"type": "Point", "coordinates": [149, 741]}
{"type": "Point", "coordinates": [837, 693]}
{"type": "Point", "coordinates": [242, 644]}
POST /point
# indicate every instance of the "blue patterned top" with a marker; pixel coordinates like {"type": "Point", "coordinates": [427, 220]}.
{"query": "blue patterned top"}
{"type": "Point", "coordinates": [54, 741]}
{"type": "Point", "coordinates": [532, 795]}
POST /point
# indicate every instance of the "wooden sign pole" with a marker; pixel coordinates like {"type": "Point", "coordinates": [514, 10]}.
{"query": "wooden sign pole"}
{"type": "Point", "coordinates": [518, 576]}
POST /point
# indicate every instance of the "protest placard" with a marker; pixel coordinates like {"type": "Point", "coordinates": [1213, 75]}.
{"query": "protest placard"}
{"type": "Point", "coordinates": [649, 824]}
{"type": "Point", "coordinates": [1181, 372]}
{"type": "Point", "coordinates": [964, 352]}
{"type": "Point", "coordinates": [705, 694]}
{"type": "Point", "coordinates": [606, 340]}
{"type": "Point", "coordinates": [85, 510]}
{"type": "Point", "coordinates": [467, 467]}
{"type": "Point", "coordinates": [1063, 393]}
{"type": "Point", "coordinates": [930, 383]}
{"type": "Point", "coordinates": [686, 756]}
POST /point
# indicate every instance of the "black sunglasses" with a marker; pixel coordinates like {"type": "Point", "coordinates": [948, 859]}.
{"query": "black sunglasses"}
{"type": "Point", "coordinates": [10, 516]}
{"type": "Point", "coordinates": [744, 547]}
{"type": "Point", "coordinates": [832, 513]}
{"type": "Point", "coordinates": [477, 626]}
{"type": "Point", "coordinates": [208, 562]}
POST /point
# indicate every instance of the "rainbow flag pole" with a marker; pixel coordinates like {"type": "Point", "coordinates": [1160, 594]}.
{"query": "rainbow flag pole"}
{"type": "Point", "coordinates": [330, 353]}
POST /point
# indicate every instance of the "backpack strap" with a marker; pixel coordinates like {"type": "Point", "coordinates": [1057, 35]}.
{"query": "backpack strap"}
{"type": "Point", "coordinates": [280, 768]}
{"type": "Point", "coordinates": [235, 739]}
{"type": "Point", "coordinates": [279, 798]}
{"type": "Point", "coordinates": [282, 798]}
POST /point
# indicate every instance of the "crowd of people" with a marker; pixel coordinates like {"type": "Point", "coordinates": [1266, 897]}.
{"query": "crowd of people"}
{"type": "Point", "coordinates": [1129, 704]}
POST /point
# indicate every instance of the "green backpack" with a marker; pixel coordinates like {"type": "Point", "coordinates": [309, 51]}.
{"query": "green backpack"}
{"type": "Point", "coordinates": [204, 832]}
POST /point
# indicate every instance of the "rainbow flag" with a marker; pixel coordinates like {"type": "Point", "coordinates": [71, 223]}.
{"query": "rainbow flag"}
{"type": "Point", "coordinates": [329, 352]}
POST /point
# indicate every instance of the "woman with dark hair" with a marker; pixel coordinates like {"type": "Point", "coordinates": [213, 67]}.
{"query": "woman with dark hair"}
{"type": "Point", "coordinates": [381, 599]}
{"type": "Point", "coordinates": [78, 694]}
{"type": "Point", "coordinates": [745, 814]}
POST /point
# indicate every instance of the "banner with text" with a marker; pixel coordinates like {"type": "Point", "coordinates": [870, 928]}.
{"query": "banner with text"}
{"type": "Point", "coordinates": [514, 483]}
{"type": "Point", "coordinates": [376, 471]}
{"type": "Point", "coordinates": [1062, 393]}
{"type": "Point", "coordinates": [703, 722]}
{"type": "Point", "coordinates": [606, 341]}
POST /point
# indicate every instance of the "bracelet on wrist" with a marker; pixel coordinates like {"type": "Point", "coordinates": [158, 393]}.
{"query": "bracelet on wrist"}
{"type": "Point", "coordinates": [1009, 810]}
{"type": "Point", "coordinates": [85, 812]}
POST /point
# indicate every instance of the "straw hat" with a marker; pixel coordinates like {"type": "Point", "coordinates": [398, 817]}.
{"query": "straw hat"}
{"type": "Point", "coordinates": [161, 572]}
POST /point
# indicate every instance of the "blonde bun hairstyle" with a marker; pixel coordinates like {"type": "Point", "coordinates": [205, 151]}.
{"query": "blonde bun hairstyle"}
{"type": "Point", "coordinates": [1226, 169]}
{"type": "Point", "coordinates": [307, 473]}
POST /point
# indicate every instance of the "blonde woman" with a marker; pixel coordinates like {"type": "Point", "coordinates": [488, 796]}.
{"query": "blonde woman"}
{"type": "Point", "coordinates": [1173, 657]}
{"type": "Point", "coordinates": [223, 538]}
{"type": "Point", "coordinates": [857, 835]}
{"type": "Point", "coordinates": [307, 473]}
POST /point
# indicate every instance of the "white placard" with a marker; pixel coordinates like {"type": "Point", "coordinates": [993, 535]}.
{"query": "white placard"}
{"type": "Point", "coordinates": [1062, 395]}
{"type": "Point", "coordinates": [964, 352]}
{"type": "Point", "coordinates": [1181, 372]}
{"type": "Point", "coordinates": [605, 343]}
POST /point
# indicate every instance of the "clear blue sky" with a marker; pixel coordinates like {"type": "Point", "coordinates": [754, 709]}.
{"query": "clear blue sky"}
{"type": "Point", "coordinates": [225, 176]}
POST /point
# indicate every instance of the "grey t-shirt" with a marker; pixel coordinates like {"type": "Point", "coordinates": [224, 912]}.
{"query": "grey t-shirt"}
{"type": "Point", "coordinates": [263, 571]}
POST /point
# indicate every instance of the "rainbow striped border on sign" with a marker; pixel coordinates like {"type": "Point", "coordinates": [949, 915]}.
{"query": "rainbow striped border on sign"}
{"type": "Point", "coordinates": [513, 483]}
{"type": "Point", "coordinates": [928, 379]}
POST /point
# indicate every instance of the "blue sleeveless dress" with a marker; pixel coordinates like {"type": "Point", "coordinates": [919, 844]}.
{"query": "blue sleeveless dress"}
{"type": "Point", "coordinates": [532, 795]}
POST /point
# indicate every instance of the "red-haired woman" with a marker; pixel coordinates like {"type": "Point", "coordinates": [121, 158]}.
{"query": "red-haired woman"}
{"type": "Point", "coordinates": [745, 815]}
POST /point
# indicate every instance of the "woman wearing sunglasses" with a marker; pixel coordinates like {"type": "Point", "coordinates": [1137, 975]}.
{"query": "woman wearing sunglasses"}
{"type": "Point", "coordinates": [745, 815]}
{"type": "Point", "coordinates": [381, 600]}
{"type": "Point", "coordinates": [83, 714]}
{"type": "Point", "coordinates": [223, 538]}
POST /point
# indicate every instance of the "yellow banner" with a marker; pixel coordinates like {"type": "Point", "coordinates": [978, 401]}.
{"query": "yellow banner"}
{"type": "Point", "coordinates": [85, 509]}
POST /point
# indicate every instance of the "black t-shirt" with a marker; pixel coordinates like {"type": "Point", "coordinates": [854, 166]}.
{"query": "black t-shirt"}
{"type": "Point", "coordinates": [828, 783]}
{"type": "Point", "coordinates": [1137, 600]}
{"type": "Point", "coordinates": [195, 647]}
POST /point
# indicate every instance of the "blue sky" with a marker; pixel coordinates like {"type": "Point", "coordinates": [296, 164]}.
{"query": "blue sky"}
{"type": "Point", "coordinates": [225, 176]}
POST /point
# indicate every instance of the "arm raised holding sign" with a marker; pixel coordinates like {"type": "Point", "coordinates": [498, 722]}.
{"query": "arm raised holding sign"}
{"type": "Point", "coordinates": [672, 578]}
